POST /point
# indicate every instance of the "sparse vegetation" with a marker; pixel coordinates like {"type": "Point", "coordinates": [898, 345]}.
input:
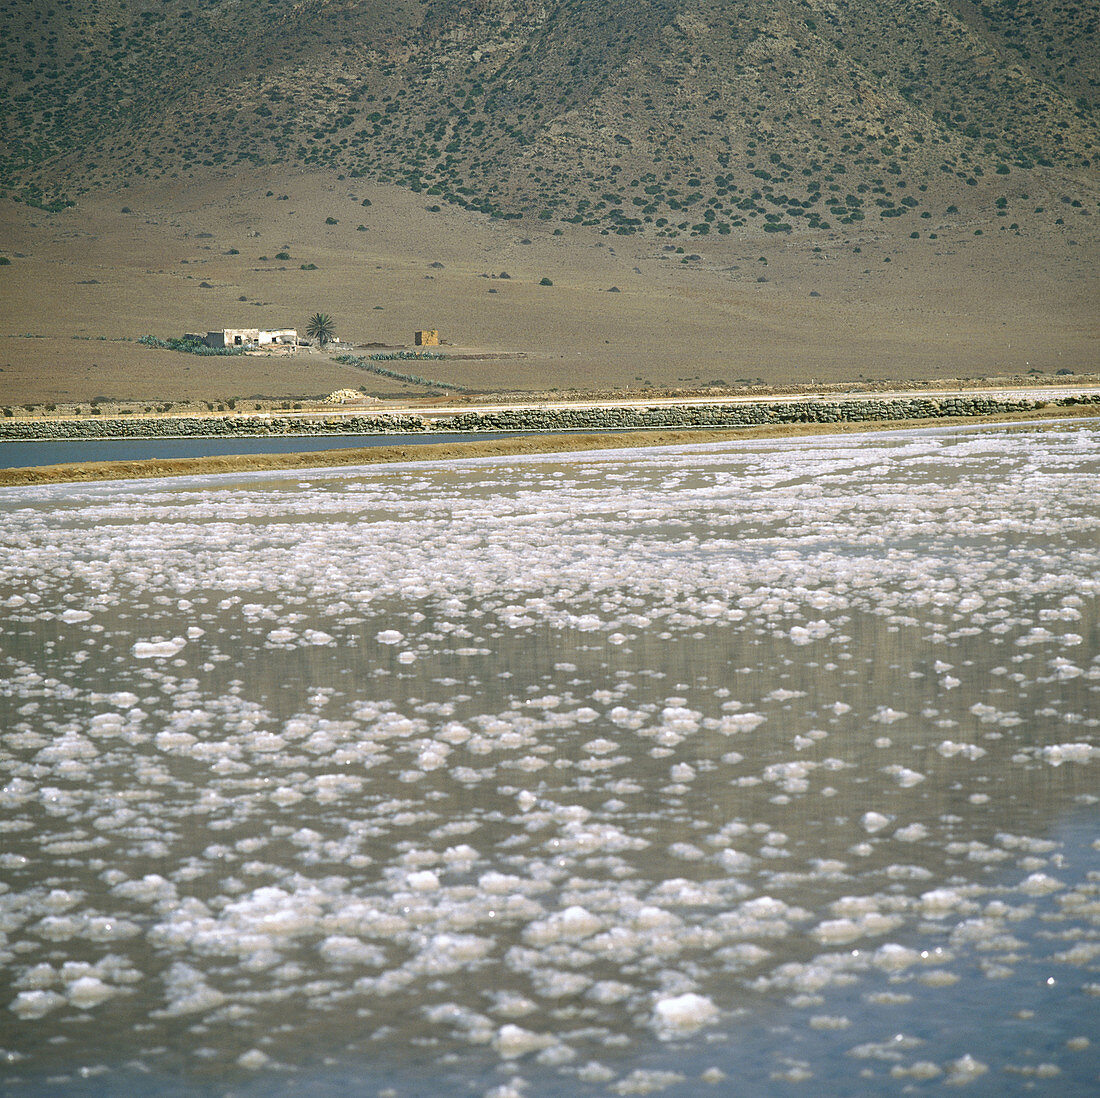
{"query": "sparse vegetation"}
{"type": "Point", "coordinates": [188, 346]}
{"type": "Point", "coordinates": [727, 148]}
{"type": "Point", "coordinates": [370, 363]}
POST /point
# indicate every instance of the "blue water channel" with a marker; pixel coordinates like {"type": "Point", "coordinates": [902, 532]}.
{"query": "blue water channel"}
{"type": "Point", "coordinates": [19, 455]}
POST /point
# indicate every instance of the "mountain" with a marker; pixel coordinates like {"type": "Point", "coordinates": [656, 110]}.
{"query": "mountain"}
{"type": "Point", "coordinates": [660, 117]}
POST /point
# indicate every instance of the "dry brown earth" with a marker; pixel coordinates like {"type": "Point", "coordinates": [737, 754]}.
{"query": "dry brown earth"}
{"type": "Point", "coordinates": [85, 283]}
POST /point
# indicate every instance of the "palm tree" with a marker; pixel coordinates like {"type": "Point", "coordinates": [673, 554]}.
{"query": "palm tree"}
{"type": "Point", "coordinates": [321, 328]}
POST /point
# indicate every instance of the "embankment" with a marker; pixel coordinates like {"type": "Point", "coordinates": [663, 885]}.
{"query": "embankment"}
{"type": "Point", "coordinates": [638, 417]}
{"type": "Point", "coordinates": [606, 428]}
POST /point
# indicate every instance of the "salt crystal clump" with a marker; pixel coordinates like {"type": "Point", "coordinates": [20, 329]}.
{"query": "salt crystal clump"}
{"type": "Point", "coordinates": [340, 949]}
{"type": "Point", "coordinates": [886, 715]}
{"type": "Point", "coordinates": [894, 958]}
{"type": "Point", "coordinates": [905, 777]}
{"type": "Point", "coordinates": [1039, 884]}
{"type": "Point", "coordinates": [31, 1005]}
{"type": "Point", "coordinates": [646, 1081]}
{"type": "Point", "coordinates": [390, 636]}
{"type": "Point", "coordinates": [158, 650]}
{"type": "Point", "coordinates": [842, 931]}
{"type": "Point", "coordinates": [188, 992]}
{"type": "Point", "coordinates": [89, 992]}
{"type": "Point", "coordinates": [874, 821]}
{"type": "Point", "coordinates": [829, 1021]}
{"type": "Point", "coordinates": [807, 634]}
{"type": "Point", "coordinates": [512, 1041]}
{"type": "Point", "coordinates": [948, 749]}
{"type": "Point", "coordinates": [938, 902]}
{"type": "Point", "coordinates": [1060, 753]}
{"type": "Point", "coordinates": [964, 1070]}
{"type": "Point", "coordinates": [609, 991]}
{"type": "Point", "coordinates": [682, 1014]}
{"type": "Point", "coordinates": [919, 1069]}
{"type": "Point", "coordinates": [38, 976]}
{"type": "Point", "coordinates": [739, 722]}
{"type": "Point", "coordinates": [572, 924]}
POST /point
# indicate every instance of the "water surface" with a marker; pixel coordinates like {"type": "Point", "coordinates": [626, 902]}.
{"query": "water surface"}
{"type": "Point", "coordinates": [19, 455]}
{"type": "Point", "coordinates": [757, 768]}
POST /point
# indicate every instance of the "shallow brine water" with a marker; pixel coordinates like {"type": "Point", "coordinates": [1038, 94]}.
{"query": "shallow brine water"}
{"type": "Point", "coordinates": [17, 455]}
{"type": "Point", "coordinates": [748, 768]}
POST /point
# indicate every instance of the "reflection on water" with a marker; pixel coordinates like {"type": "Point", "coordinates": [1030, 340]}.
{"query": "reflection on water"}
{"type": "Point", "coordinates": [724, 769]}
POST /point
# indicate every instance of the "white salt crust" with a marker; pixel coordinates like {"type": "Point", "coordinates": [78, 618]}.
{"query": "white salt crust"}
{"type": "Point", "coordinates": [414, 743]}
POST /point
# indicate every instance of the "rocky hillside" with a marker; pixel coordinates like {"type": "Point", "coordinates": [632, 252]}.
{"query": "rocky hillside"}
{"type": "Point", "coordinates": [655, 116]}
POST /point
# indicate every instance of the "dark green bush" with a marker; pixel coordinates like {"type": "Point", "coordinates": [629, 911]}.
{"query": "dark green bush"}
{"type": "Point", "coordinates": [189, 346]}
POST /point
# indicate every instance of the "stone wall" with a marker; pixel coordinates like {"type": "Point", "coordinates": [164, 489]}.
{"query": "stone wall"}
{"type": "Point", "coordinates": [815, 410]}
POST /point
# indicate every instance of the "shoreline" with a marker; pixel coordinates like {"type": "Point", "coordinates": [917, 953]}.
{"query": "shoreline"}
{"type": "Point", "coordinates": [547, 443]}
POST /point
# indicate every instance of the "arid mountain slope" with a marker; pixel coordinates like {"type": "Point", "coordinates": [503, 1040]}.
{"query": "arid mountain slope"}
{"type": "Point", "coordinates": [652, 116]}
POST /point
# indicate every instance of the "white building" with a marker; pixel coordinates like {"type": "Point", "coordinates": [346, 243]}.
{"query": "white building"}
{"type": "Point", "coordinates": [253, 337]}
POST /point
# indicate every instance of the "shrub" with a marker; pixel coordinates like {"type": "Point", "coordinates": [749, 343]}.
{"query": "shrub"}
{"type": "Point", "coordinates": [545, 282]}
{"type": "Point", "coordinates": [331, 221]}
{"type": "Point", "coordinates": [188, 346]}
{"type": "Point", "coordinates": [282, 255]}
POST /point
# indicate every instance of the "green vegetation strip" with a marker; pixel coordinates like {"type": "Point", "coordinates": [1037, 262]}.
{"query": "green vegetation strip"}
{"type": "Point", "coordinates": [189, 346]}
{"type": "Point", "coordinates": [415, 379]}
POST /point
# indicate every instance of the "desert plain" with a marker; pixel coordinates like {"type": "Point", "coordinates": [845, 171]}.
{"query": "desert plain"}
{"type": "Point", "coordinates": [964, 300]}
